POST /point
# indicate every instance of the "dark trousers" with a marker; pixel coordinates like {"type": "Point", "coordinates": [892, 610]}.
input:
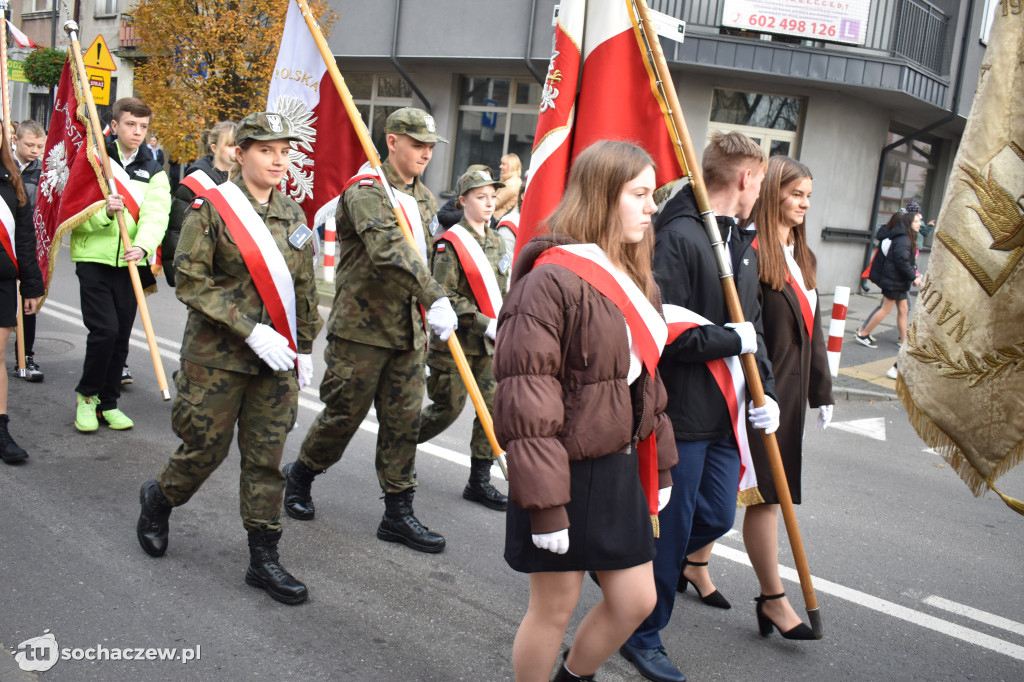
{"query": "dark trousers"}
{"type": "Point", "coordinates": [28, 323]}
{"type": "Point", "coordinates": [702, 509]}
{"type": "Point", "coordinates": [108, 311]}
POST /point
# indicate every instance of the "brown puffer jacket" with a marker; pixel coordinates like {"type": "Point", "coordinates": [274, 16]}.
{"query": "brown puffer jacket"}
{"type": "Point", "coordinates": [561, 361]}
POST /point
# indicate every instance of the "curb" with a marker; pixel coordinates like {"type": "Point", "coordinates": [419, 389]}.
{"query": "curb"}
{"type": "Point", "coordinates": [862, 394]}
{"type": "Point", "coordinates": [10, 671]}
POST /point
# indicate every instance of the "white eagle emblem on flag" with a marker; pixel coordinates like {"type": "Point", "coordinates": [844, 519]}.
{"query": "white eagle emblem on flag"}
{"type": "Point", "coordinates": [298, 183]}
{"type": "Point", "coordinates": [55, 177]}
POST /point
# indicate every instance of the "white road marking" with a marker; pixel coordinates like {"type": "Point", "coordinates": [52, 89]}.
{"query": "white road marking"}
{"type": "Point", "coordinates": [888, 608]}
{"type": "Point", "coordinates": [873, 427]}
{"type": "Point", "coordinates": [976, 614]}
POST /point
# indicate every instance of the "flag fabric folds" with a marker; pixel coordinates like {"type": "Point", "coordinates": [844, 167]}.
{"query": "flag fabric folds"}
{"type": "Point", "coordinates": [70, 183]}
{"type": "Point", "coordinates": [599, 85]}
{"type": "Point", "coordinates": [20, 39]}
{"type": "Point", "coordinates": [329, 152]}
{"type": "Point", "coordinates": [961, 372]}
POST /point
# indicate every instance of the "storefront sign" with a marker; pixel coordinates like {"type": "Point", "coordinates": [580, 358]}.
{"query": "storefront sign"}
{"type": "Point", "coordinates": [16, 71]}
{"type": "Point", "coordinates": [836, 21]}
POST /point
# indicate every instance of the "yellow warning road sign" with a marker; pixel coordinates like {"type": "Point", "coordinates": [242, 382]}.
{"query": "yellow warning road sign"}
{"type": "Point", "coordinates": [98, 56]}
{"type": "Point", "coordinates": [99, 81]}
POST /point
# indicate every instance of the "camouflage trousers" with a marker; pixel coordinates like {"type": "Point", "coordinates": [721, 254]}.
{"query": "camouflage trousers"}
{"type": "Point", "coordinates": [206, 408]}
{"type": "Point", "coordinates": [357, 376]}
{"type": "Point", "coordinates": [448, 394]}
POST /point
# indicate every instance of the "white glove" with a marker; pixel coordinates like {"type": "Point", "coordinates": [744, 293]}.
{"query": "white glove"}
{"type": "Point", "coordinates": [442, 318]}
{"type": "Point", "coordinates": [663, 497]}
{"type": "Point", "coordinates": [747, 334]}
{"type": "Point", "coordinates": [305, 370]}
{"type": "Point", "coordinates": [557, 542]}
{"type": "Point", "coordinates": [765, 418]}
{"type": "Point", "coordinates": [824, 416]}
{"type": "Point", "coordinates": [492, 329]}
{"type": "Point", "coordinates": [271, 347]}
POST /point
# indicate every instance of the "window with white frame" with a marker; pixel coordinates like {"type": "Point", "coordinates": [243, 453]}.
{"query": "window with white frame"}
{"type": "Point", "coordinates": [773, 121]}
{"type": "Point", "coordinates": [105, 8]}
{"type": "Point", "coordinates": [497, 116]}
{"type": "Point", "coordinates": [38, 6]}
{"type": "Point", "coordinates": [376, 96]}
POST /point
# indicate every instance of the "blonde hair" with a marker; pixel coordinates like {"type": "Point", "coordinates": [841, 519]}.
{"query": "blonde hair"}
{"type": "Point", "coordinates": [783, 172]}
{"type": "Point", "coordinates": [588, 211]}
{"type": "Point", "coordinates": [515, 166]}
{"type": "Point", "coordinates": [725, 154]}
{"type": "Point", "coordinates": [216, 135]}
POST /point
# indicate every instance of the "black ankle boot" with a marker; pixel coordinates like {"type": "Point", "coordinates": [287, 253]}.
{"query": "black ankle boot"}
{"type": "Point", "coordinates": [479, 488]}
{"type": "Point", "coordinates": [401, 525]}
{"type": "Point", "coordinates": [266, 571]}
{"type": "Point", "coordinates": [298, 496]}
{"type": "Point", "coordinates": [563, 674]}
{"type": "Point", "coordinates": [9, 450]}
{"type": "Point", "coordinates": [153, 520]}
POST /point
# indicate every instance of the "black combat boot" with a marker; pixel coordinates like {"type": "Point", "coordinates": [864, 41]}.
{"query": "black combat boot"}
{"type": "Point", "coordinates": [153, 520]}
{"type": "Point", "coordinates": [479, 488]}
{"type": "Point", "coordinates": [400, 525]}
{"type": "Point", "coordinates": [298, 498]}
{"type": "Point", "coordinates": [265, 570]}
{"type": "Point", "coordinates": [9, 450]}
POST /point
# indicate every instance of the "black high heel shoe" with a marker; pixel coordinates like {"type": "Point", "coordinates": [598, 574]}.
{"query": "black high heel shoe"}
{"type": "Point", "coordinates": [765, 624]}
{"type": "Point", "coordinates": [715, 599]}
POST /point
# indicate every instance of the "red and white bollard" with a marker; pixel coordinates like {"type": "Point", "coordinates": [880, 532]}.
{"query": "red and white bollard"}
{"type": "Point", "coordinates": [330, 248]}
{"type": "Point", "coordinates": [840, 301]}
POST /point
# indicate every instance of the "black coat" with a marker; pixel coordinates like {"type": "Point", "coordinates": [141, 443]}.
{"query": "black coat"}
{"type": "Point", "coordinates": [900, 266]}
{"type": "Point", "coordinates": [30, 178]}
{"type": "Point", "coordinates": [686, 270]}
{"type": "Point", "coordinates": [24, 243]}
{"type": "Point", "coordinates": [180, 203]}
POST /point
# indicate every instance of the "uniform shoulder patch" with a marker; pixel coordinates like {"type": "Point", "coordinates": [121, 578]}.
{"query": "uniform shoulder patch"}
{"type": "Point", "coordinates": [198, 202]}
{"type": "Point", "coordinates": [440, 247]}
{"type": "Point", "coordinates": [366, 182]}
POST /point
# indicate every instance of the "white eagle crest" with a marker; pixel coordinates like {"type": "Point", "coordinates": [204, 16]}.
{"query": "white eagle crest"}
{"type": "Point", "coordinates": [55, 177]}
{"type": "Point", "coordinates": [298, 184]}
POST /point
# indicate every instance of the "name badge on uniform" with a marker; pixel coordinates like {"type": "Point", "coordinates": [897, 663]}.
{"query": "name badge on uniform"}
{"type": "Point", "coordinates": [299, 237]}
{"type": "Point", "coordinates": [434, 225]}
{"type": "Point", "coordinates": [505, 264]}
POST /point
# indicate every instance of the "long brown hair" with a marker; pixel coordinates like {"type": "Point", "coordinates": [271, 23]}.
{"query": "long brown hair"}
{"type": "Point", "coordinates": [7, 158]}
{"type": "Point", "coordinates": [588, 211]}
{"type": "Point", "coordinates": [783, 172]}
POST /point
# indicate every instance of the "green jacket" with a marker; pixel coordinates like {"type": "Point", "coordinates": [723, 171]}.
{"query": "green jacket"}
{"type": "Point", "coordinates": [449, 273]}
{"type": "Point", "coordinates": [223, 303]}
{"type": "Point", "coordinates": [381, 279]}
{"type": "Point", "coordinates": [98, 240]}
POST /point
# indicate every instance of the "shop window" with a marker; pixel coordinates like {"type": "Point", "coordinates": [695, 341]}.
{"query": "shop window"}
{"type": "Point", "coordinates": [773, 121]}
{"type": "Point", "coordinates": [909, 174]}
{"type": "Point", "coordinates": [376, 97]}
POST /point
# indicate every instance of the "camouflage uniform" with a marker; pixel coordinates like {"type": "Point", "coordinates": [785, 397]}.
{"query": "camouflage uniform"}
{"type": "Point", "coordinates": [444, 386]}
{"type": "Point", "coordinates": [222, 380]}
{"type": "Point", "coordinates": [376, 337]}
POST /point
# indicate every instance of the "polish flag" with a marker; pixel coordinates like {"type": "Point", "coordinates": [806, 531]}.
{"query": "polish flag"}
{"type": "Point", "coordinates": [20, 39]}
{"type": "Point", "coordinates": [301, 90]}
{"type": "Point", "coordinates": [599, 86]}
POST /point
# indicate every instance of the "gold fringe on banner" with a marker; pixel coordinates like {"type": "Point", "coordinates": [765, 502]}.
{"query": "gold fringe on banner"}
{"type": "Point", "coordinates": [656, 525]}
{"type": "Point", "coordinates": [749, 497]}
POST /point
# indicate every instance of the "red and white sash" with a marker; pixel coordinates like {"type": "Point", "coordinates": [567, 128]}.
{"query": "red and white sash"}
{"type": "Point", "coordinates": [131, 195]}
{"type": "Point", "coordinates": [262, 257]}
{"type": "Point", "coordinates": [511, 221]}
{"type": "Point", "coordinates": [199, 182]}
{"type": "Point", "coordinates": [7, 233]}
{"type": "Point", "coordinates": [728, 374]}
{"type": "Point", "coordinates": [647, 329]}
{"type": "Point", "coordinates": [807, 298]}
{"type": "Point", "coordinates": [479, 272]}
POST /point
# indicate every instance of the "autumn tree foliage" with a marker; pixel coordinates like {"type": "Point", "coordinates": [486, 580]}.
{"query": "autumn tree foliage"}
{"type": "Point", "coordinates": [207, 61]}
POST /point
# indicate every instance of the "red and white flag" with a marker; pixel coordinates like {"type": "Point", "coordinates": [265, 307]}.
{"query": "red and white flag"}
{"type": "Point", "coordinates": [301, 90]}
{"type": "Point", "coordinates": [20, 39]}
{"type": "Point", "coordinates": [70, 184]}
{"type": "Point", "coordinates": [599, 86]}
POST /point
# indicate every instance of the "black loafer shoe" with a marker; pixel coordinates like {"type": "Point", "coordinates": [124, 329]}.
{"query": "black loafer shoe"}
{"type": "Point", "coordinates": [654, 664]}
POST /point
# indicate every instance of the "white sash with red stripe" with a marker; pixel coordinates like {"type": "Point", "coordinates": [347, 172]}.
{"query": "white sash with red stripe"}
{"type": "Point", "coordinates": [262, 257]}
{"type": "Point", "coordinates": [728, 374]}
{"type": "Point", "coordinates": [7, 233]}
{"type": "Point", "coordinates": [479, 272]}
{"type": "Point", "coordinates": [807, 298]}
{"type": "Point", "coordinates": [511, 221]}
{"type": "Point", "coordinates": [199, 182]}
{"type": "Point", "coordinates": [131, 195]}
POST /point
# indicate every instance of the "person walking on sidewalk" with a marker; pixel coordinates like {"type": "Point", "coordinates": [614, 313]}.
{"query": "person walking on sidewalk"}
{"type": "Point", "coordinates": [246, 273]}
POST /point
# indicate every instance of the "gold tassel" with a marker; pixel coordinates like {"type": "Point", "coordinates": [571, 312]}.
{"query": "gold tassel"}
{"type": "Point", "coordinates": [749, 497]}
{"type": "Point", "coordinates": [656, 525]}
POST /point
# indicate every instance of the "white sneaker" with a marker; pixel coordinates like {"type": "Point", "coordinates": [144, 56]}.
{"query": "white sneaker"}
{"type": "Point", "coordinates": [892, 372]}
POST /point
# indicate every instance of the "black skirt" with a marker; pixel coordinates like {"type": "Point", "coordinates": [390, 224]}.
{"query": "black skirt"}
{"type": "Point", "coordinates": [609, 521]}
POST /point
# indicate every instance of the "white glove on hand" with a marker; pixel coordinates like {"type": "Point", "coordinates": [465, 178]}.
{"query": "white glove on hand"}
{"type": "Point", "coordinates": [492, 329]}
{"type": "Point", "coordinates": [442, 318]}
{"type": "Point", "coordinates": [557, 542]}
{"type": "Point", "coordinates": [305, 370]}
{"type": "Point", "coordinates": [765, 418]}
{"type": "Point", "coordinates": [663, 497]}
{"type": "Point", "coordinates": [271, 347]}
{"type": "Point", "coordinates": [824, 416]}
{"type": "Point", "coordinates": [748, 335]}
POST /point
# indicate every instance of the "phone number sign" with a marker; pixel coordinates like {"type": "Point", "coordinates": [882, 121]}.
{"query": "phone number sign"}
{"type": "Point", "coordinates": [837, 21]}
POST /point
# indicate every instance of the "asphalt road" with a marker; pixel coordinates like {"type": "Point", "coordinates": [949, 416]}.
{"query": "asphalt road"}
{"type": "Point", "coordinates": [916, 578]}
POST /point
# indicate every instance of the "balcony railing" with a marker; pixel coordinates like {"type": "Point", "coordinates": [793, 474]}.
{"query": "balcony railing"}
{"type": "Point", "coordinates": [127, 38]}
{"type": "Point", "coordinates": [914, 30]}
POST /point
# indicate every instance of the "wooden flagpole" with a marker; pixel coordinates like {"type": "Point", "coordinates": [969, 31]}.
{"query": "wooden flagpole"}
{"type": "Point", "coordinates": [371, 154]}
{"type": "Point", "coordinates": [71, 28]}
{"type": "Point", "coordinates": [732, 301]}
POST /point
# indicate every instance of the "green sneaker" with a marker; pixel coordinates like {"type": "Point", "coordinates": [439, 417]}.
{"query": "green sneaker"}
{"type": "Point", "coordinates": [85, 414]}
{"type": "Point", "coordinates": [116, 419]}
